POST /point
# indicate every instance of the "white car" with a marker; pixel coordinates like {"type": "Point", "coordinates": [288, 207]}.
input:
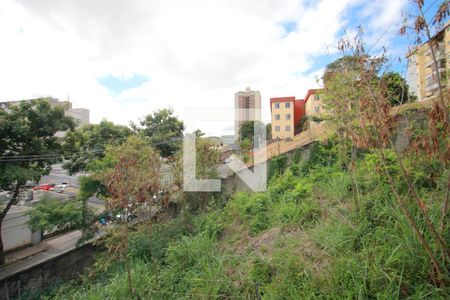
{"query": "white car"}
{"type": "Point", "coordinates": [59, 188]}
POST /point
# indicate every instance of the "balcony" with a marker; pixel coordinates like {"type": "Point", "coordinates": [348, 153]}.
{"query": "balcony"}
{"type": "Point", "coordinates": [441, 63]}
{"type": "Point", "coordinates": [439, 51]}
{"type": "Point", "coordinates": [431, 87]}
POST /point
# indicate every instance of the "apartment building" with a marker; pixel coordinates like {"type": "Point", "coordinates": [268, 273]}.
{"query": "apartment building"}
{"type": "Point", "coordinates": [247, 106]}
{"type": "Point", "coordinates": [313, 106]}
{"type": "Point", "coordinates": [422, 74]}
{"type": "Point", "coordinates": [81, 115]}
{"type": "Point", "coordinates": [286, 113]}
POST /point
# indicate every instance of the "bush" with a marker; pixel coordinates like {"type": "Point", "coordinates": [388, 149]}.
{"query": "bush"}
{"type": "Point", "coordinates": [195, 266]}
{"type": "Point", "coordinates": [352, 253]}
{"type": "Point", "coordinates": [304, 213]}
{"type": "Point", "coordinates": [277, 165]}
{"type": "Point", "coordinates": [50, 215]}
{"type": "Point", "coordinates": [253, 210]}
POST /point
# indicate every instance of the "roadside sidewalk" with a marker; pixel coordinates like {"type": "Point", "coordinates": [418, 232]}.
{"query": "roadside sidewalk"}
{"type": "Point", "coordinates": [24, 253]}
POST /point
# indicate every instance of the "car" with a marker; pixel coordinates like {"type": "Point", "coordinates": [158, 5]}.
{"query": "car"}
{"type": "Point", "coordinates": [45, 187]}
{"type": "Point", "coordinates": [125, 217]}
{"type": "Point", "coordinates": [59, 188]}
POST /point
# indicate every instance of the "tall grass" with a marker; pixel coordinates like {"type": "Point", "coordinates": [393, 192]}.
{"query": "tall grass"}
{"type": "Point", "coordinates": [324, 248]}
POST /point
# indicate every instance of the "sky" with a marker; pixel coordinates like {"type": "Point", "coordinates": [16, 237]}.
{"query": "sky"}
{"type": "Point", "coordinates": [124, 59]}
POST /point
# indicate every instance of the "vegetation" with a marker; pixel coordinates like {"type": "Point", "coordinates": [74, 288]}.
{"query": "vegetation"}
{"type": "Point", "coordinates": [303, 237]}
{"type": "Point", "coordinates": [50, 215]}
{"type": "Point", "coordinates": [207, 158]}
{"type": "Point", "coordinates": [247, 129]}
{"type": "Point", "coordinates": [132, 182]}
{"type": "Point", "coordinates": [361, 217]}
{"type": "Point", "coordinates": [88, 143]}
{"type": "Point", "coordinates": [28, 147]}
{"type": "Point", "coordinates": [163, 130]}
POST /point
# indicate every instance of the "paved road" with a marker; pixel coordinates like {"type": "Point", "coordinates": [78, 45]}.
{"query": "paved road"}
{"type": "Point", "coordinates": [59, 175]}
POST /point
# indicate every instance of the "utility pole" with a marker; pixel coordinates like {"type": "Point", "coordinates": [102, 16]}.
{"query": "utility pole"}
{"type": "Point", "coordinates": [278, 140]}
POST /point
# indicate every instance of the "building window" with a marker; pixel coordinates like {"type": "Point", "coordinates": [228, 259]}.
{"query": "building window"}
{"type": "Point", "coordinates": [316, 109]}
{"type": "Point", "coordinates": [288, 116]}
{"type": "Point", "coordinates": [316, 97]}
{"type": "Point", "coordinates": [277, 117]}
{"type": "Point", "coordinates": [287, 105]}
{"type": "Point", "coordinates": [288, 128]}
{"type": "Point", "coordinates": [277, 128]}
{"type": "Point", "coordinates": [277, 105]}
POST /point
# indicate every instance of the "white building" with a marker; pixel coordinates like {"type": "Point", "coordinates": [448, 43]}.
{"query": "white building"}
{"type": "Point", "coordinates": [81, 115]}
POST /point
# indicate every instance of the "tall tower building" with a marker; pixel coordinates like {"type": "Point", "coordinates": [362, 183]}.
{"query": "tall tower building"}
{"type": "Point", "coordinates": [245, 103]}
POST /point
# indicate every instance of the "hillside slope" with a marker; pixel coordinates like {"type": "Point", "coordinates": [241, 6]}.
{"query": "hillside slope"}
{"type": "Point", "coordinates": [306, 237]}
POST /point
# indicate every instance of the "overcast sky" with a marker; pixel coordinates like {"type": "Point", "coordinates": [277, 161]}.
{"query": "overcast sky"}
{"type": "Point", "coordinates": [123, 59]}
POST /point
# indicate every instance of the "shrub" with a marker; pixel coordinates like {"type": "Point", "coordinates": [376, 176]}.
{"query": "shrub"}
{"type": "Point", "coordinates": [277, 165]}
{"type": "Point", "coordinates": [253, 209]}
{"type": "Point", "coordinates": [55, 215]}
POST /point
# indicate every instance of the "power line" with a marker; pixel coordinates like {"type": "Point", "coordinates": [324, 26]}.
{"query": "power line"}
{"type": "Point", "coordinates": [50, 154]}
{"type": "Point", "coordinates": [37, 157]}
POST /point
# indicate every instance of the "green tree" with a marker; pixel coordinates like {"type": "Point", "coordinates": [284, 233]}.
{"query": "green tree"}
{"type": "Point", "coordinates": [55, 215]}
{"type": "Point", "coordinates": [163, 130]}
{"type": "Point", "coordinates": [88, 143]}
{"type": "Point", "coordinates": [207, 158]}
{"type": "Point", "coordinates": [246, 130]}
{"type": "Point", "coordinates": [269, 131]}
{"type": "Point", "coordinates": [396, 88]}
{"type": "Point", "coordinates": [246, 149]}
{"type": "Point", "coordinates": [29, 146]}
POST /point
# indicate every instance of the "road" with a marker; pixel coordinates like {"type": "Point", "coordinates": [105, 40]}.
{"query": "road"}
{"type": "Point", "coordinates": [59, 175]}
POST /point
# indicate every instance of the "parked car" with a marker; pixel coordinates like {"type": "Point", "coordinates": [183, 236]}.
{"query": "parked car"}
{"type": "Point", "coordinates": [125, 217]}
{"type": "Point", "coordinates": [45, 187]}
{"type": "Point", "coordinates": [60, 188]}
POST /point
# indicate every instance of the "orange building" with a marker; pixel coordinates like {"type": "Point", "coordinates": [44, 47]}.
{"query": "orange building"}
{"type": "Point", "coordinates": [286, 114]}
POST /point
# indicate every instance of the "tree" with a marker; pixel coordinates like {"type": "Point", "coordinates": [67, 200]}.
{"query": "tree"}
{"type": "Point", "coordinates": [163, 130]}
{"type": "Point", "coordinates": [55, 215]}
{"type": "Point", "coordinates": [88, 143]}
{"type": "Point", "coordinates": [356, 65]}
{"type": "Point", "coordinates": [29, 146]}
{"type": "Point", "coordinates": [207, 158]}
{"type": "Point", "coordinates": [246, 130]}
{"type": "Point", "coordinates": [396, 88]}
{"type": "Point", "coordinates": [132, 181]}
{"type": "Point", "coordinates": [246, 149]}
{"type": "Point", "coordinates": [269, 131]}
{"type": "Point", "coordinates": [360, 106]}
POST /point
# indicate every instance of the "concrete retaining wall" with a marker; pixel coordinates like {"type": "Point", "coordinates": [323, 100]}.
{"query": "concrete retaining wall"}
{"type": "Point", "coordinates": [65, 266]}
{"type": "Point", "coordinates": [16, 232]}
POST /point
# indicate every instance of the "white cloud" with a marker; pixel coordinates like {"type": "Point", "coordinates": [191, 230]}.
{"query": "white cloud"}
{"type": "Point", "coordinates": [196, 53]}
